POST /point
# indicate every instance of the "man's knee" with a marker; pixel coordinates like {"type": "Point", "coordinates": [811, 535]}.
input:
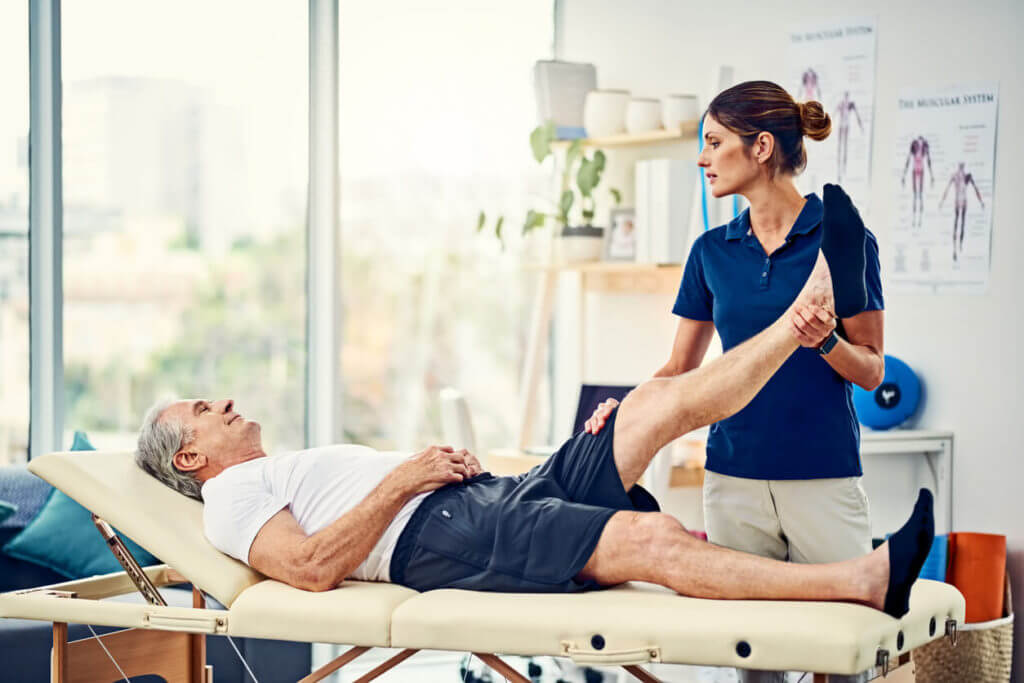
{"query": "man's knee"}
{"type": "Point", "coordinates": [655, 529]}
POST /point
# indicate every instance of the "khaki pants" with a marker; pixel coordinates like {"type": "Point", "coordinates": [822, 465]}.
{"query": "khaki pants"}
{"type": "Point", "coordinates": [809, 521]}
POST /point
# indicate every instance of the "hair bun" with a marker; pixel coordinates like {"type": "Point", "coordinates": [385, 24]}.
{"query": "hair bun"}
{"type": "Point", "coordinates": [814, 122]}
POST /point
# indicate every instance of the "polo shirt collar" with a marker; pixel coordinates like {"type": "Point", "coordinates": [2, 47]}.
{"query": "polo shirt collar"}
{"type": "Point", "coordinates": [809, 218]}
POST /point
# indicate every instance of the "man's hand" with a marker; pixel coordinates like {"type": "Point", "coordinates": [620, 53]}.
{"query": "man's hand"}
{"type": "Point", "coordinates": [436, 466]}
{"type": "Point", "coordinates": [597, 420]}
{"type": "Point", "coordinates": [811, 325]}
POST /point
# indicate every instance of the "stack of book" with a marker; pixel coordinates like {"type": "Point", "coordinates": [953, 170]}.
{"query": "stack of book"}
{"type": "Point", "coordinates": [665, 190]}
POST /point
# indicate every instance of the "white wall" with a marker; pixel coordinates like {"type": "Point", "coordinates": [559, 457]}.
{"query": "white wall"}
{"type": "Point", "coordinates": [964, 347]}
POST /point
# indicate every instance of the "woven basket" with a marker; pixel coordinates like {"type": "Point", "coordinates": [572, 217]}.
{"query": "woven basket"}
{"type": "Point", "coordinates": [983, 652]}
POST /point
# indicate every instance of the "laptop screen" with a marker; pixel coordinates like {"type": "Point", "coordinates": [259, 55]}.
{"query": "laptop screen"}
{"type": "Point", "coordinates": [591, 396]}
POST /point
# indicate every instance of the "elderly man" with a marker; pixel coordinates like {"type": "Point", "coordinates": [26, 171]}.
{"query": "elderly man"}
{"type": "Point", "coordinates": [433, 520]}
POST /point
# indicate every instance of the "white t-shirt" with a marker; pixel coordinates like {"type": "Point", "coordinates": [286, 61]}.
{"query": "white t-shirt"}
{"type": "Point", "coordinates": [319, 485]}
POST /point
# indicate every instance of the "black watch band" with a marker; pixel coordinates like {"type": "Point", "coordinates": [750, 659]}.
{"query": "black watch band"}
{"type": "Point", "coordinates": [828, 344]}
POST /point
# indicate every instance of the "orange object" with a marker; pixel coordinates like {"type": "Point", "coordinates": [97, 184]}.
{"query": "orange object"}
{"type": "Point", "coordinates": [977, 567]}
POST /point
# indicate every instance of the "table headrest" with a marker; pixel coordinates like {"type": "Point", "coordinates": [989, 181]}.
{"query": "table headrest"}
{"type": "Point", "coordinates": [161, 520]}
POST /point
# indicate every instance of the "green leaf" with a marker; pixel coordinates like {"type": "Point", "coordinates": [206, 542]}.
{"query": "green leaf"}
{"type": "Point", "coordinates": [540, 140]}
{"type": "Point", "coordinates": [573, 153]}
{"type": "Point", "coordinates": [616, 195]}
{"type": "Point", "coordinates": [564, 205]}
{"type": "Point", "coordinates": [587, 176]}
{"type": "Point", "coordinates": [480, 222]}
{"type": "Point", "coordinates": [497, 228]}
{"type": "Point", "coordinates": [534, 219]}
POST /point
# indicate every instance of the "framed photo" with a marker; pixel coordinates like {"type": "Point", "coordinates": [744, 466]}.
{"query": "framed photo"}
{"type": "Point", "coordinates": [620, 244]}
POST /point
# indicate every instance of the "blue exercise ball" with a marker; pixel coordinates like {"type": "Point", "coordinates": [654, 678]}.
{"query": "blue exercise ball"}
{"type": "Point", "coordinates": [895, 399]}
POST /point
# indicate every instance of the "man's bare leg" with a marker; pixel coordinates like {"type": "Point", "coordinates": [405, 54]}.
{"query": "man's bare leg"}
{"type": "Point", "coordinates": [654, 547]}
{"type": "Point", "coordinates": [663, 409]}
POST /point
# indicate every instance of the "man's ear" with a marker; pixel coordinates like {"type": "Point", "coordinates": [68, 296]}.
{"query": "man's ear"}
{"type": "Point", "coordinates": [188, 461]}
{"type": "Point", "coordinates": [764, 146]}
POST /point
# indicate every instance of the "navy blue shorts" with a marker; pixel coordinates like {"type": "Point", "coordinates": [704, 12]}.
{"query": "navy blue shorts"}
{"type": "Point", "coordinates": [528, 533]}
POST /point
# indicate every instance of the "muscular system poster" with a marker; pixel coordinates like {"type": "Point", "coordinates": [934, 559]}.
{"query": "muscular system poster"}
{"type": "Point", "coordinates": [834, 63]}
{"type": "Point", "coordinates": [943, 173]}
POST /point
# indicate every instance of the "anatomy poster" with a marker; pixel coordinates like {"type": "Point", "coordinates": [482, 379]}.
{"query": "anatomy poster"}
{"type": "Point", "coordinates": [943, 171]}
{"type": "Point", "coordinates": [834, 63]}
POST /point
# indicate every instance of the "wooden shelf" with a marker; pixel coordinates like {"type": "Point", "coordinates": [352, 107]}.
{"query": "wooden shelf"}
{"type": "Point", "coordinates": [621, 277]}
{"type": "Point", "coordinates": [607, 267]}
{"type": "Point", "coordinates": [688, 131]}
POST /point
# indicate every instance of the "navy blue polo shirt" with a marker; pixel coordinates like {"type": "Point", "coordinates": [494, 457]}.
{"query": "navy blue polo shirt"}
{"type": "Point", "coordinates": [802, 424]}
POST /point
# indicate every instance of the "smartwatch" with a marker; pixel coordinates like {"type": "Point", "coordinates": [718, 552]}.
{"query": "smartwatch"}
{"type": "Point", "coordinates": [828, 344]}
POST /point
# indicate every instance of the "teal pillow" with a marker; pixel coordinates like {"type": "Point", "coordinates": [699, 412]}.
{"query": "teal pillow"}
{"type": "Point", "coordinates": [63, 538]}
{"type": "Point", "coordinates": [6, 510]}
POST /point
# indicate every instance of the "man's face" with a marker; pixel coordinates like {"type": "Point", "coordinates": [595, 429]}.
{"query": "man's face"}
{"type": "Point", "coordinates": [222, 437]}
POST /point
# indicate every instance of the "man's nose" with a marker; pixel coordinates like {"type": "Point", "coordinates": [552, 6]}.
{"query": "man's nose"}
{"type": "Point", "coordinates": [228, 405]}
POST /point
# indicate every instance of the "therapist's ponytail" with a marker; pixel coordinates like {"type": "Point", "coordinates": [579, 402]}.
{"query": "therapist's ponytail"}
{"type": "Point", "coordinates": [755, 107]}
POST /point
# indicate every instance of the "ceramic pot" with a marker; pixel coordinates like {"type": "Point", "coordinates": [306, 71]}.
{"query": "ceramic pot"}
{"type": "Point", "coordinates": [643, 115]}
{"type": "Point", "coordinates": [677, 109]}
{"type": "Point", "coordinates": [578, 244]}
{"type": "Point", "coordinates": [604, 112]}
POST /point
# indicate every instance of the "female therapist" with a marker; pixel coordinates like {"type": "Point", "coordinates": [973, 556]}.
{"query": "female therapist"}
{"type": "Point", "coordinates": [783, 475]}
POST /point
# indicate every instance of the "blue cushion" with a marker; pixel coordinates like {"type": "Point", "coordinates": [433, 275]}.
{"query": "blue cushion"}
{"type": "Point", "coordinates": [6, 510]}
{"type": "Point", "coordinates": [63, 538]}
{"type": "Point", "coordinates": [25, 491]}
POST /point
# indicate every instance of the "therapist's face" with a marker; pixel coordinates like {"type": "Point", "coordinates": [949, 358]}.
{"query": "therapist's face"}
{"type": "Point", "coordinates": [728, 164]}
{"type": "Point", "coordinates": [222, 436]}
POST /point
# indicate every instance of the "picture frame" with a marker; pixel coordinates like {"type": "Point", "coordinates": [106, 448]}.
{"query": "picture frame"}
{"type": "Point", "coordinates": [620, 238]}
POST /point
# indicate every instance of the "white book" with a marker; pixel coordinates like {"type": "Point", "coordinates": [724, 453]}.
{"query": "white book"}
{"type": "Point", "coordinates": [642, 216]}
{"type": "Point", "coordinates": [669, 185]}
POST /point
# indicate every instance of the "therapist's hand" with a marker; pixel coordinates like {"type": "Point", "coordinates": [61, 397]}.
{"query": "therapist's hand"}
{"type": "Point", "coordinates": [597, 420]}
{"type": "Point", "coordinates": [811, 325]}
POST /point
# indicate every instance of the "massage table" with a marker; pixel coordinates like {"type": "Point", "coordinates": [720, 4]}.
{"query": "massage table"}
{"type": "Point", "coordinates": [628, 625]}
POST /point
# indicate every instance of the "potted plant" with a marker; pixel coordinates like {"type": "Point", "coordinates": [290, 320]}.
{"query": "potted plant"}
{"type": "Point", "coordinates": [580, 242]}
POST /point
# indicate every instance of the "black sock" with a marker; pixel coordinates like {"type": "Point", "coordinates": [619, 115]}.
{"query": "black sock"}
{"type": "Point", "coordinates": [842, 243]}
{"type": "Point", "coordinates": [908, 549]}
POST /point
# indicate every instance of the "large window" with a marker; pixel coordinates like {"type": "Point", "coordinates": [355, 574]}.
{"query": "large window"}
{"type": "Point", "coordinates": [436, 109]}
{"type": "Point", "coordinates": [14, 127]}
{"type": "Point", "coordinates": [185, 137]}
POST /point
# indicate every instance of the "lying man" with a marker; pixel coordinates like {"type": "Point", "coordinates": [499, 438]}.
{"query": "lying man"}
{"type": "Point", "coordinates": [435, 520]}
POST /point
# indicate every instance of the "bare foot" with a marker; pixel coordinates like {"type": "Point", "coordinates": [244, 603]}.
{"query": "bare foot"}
{"type": "Point", "coordinates": [817, 290]}
{"type": "Point", "coordinates": [875, 574]}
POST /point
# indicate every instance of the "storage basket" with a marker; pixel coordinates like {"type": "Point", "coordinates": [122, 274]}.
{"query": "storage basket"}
{"type": "Point", "coordinates": [983, 652]}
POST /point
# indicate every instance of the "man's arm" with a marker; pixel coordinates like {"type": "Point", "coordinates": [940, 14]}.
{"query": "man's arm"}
{"type": "Point", "coordinates": [283, 551]}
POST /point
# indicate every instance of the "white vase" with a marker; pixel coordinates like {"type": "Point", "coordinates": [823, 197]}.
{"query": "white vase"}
{"type": "Point", "coordinates": [643, 115]}
{"type": "Point", "coordinates": [604, 112]}
{"type": "Point", "coordinates": [579, 244]}
{"type": "Point", "coordinates": [677, 109]}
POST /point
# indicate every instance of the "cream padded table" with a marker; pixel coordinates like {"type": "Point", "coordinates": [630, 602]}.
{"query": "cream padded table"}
{"type": "Point", "coordinates": [628, 625]}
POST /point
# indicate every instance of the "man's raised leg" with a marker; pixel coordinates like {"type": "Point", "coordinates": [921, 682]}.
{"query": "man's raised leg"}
{"type": "Point", "coordinates": [665, 408]}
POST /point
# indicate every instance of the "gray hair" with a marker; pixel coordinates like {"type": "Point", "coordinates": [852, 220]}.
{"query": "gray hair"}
{"type": "Point", "coordinates": [159, 440]}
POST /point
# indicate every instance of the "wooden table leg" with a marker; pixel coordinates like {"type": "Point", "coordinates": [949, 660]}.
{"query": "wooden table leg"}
{"type": "Point", "coordinates": [59, 657]}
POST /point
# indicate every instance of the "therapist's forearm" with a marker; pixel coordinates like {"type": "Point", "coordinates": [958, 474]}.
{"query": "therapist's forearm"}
{"type": "Point", "coordinates": [862, 365]}
{"type": "Point", "coordinates": [670, 370]}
